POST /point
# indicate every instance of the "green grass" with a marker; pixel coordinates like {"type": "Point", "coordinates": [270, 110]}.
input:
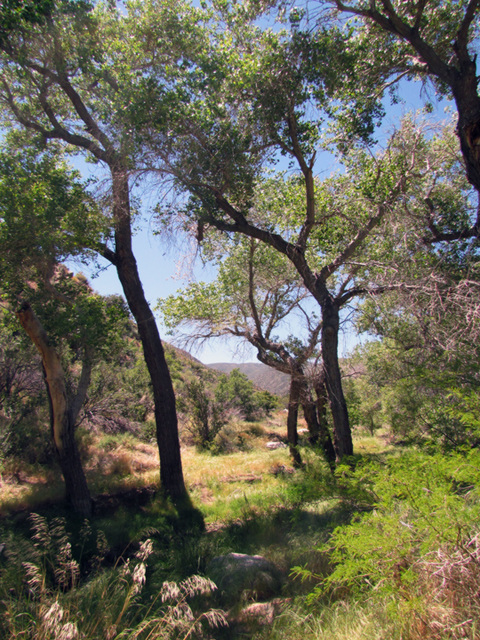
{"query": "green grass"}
{"type": "Point", "coordinates": [253, 502]}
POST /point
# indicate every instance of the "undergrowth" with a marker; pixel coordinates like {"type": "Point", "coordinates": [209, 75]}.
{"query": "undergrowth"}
{"type": "Point", "coordinates": [46, 596]}
{"type": "Point", "coordinates": [414, 551]}
{"type": "Point", "coordinates": [389, 547]}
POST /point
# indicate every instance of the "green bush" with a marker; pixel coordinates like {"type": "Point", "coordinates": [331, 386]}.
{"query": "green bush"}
{"type": "Point", "coordinates": [419, 536]}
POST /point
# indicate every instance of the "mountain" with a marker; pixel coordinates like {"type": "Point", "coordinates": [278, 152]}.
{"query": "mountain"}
{"type": "Point", "coordinates": [262, 376]}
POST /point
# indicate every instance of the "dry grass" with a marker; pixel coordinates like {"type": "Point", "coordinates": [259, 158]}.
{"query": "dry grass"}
{"type": "Point", "coordinates": [340, 621]}
{"type": "Point", "coordinates": [452, 581]}
{"type": "Point", "coordinates": [134, 461]}
{"type": "Point", "coordinates": [124, 462]}
{"type": "Point", "coordinates": [25, 494]}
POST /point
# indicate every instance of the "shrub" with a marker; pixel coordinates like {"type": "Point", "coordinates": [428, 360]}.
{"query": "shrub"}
{"type": "Point", "coordinates": [420, 536]}
{"type": "Point", "coordinates": [206, 416]}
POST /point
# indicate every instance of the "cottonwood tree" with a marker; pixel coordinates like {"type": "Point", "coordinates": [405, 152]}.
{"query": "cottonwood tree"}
{"type": "Point", "coordinates": [69, 75]}
{"type": "Point", "coordinates": [428, 40]}
{"type": "Point", "coordinates": [248, 104]}
{"type": "Point", "coordinates": [428, 316]}
{"type": "Point", "coordinates": [258, 108]}
{"type": "Point", "coordinates": [435, 281]}
{"type": "Point", "coordinates": [46, 215]}
{"type": "Point", "coordinates": [257, 292]}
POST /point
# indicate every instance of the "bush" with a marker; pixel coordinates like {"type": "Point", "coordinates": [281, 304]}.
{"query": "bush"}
{"type": "Point", "coordinates": [206, 417]}
{"type": "Point", "coordinates": [420, 536]}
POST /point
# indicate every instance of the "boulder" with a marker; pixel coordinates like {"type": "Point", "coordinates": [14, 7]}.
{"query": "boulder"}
{"type": "Point", "coordinates": [243, 577]}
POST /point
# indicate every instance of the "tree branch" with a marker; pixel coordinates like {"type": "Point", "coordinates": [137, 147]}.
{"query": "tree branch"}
{"type": "Point", "coordinates": [350, 249]}
{"type": "Point", "coordinates": [461, 41]}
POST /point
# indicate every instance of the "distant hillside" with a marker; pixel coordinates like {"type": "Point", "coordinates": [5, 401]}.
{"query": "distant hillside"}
{"type": "Point", "coordinates": [262, 376]}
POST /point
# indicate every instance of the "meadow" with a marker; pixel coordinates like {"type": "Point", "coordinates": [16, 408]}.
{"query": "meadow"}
{"type": "Point", "coordinates": [386, 547]}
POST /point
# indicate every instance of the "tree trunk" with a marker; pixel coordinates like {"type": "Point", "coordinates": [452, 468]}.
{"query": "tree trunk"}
{"type": "Point", "coordinates": [342, 436]}
{"type": "Point", "coordinates": [310, 413]}
{"type": "Point", "coordinates": [317, 427]}
{"type": "Point", "coordinates": [292, 420]}
{"type": "Point", "coordinates": [62, 427]}
{"type": "Point", "coordinates": [468, 126]}
{"type": "Point", "coordinates": [325, 437]}
{"type": "Point", "coordinates": [171, 473]}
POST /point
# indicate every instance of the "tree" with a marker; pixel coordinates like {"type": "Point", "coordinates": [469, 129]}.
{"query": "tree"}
{"type": "Point", "coordinates": [427, 40]}
{"type": "Point", "coordinates": [265, 110]}
{"type": "Point", "coordinates": [69, 78]}
{"type": "Point", "coordinates": [45, 216]}
{"type": "Point", "coordinates": [426, 368]}
{"type": "Point", "coordinates": [256, 293]}
{"type": "Point", "coordinates": [22, 394]}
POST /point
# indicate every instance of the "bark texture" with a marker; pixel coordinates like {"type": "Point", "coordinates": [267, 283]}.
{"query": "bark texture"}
{"type": "Point", "coordinates": [316, 419]}
{"type": "Point", "coordinates": [61, 418]}
{"type": "Point", "coordinates": [171, 473]}
{"type": "Point", "coordinates": [292, 420]}
{"type": "Point", "coordinates": [342, 435]}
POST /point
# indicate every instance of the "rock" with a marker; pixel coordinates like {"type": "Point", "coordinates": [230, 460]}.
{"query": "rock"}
{"type": "Point", "coordinates": [239, 576]}
{"type": "Point", "coordinates": [276, 444]}
{"type": "Point", "coordinates": [261, 613]}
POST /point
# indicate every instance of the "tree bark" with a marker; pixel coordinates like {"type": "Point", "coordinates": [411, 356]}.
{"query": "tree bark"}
{"type": "Point", "coordinates": [171, 473]}
{"type": "Point", "coordinates": [62, 427]}
{"type": "Point", "coordinates": [292, 420]}
{"type": "Point", "coordinates": [315, 417]}
{"type": "Point", "coordinates": [468, 127]}
{"type": "Point", "coordinates": [342, 436]}
{"type": "Point", "coordinates": [310, 414]}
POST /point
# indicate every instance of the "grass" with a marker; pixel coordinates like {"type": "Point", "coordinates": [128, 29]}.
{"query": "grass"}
{"type": "Point", "coordinates": [341, 621]}
{"type": "Point", "coordinates": [253, 501]}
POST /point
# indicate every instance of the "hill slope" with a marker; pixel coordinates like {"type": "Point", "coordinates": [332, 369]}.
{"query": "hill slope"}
{"type": "Point", "coordinates": [262, 376]}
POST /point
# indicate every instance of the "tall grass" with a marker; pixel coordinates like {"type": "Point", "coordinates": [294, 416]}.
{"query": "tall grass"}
{"type": "Point", "coordinates": [44, 595]}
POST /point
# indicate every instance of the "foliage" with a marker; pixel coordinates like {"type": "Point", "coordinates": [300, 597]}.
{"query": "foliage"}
{"type": "Point", "coordinates": [206, 416]}
{"type": "Point", "coordinates": [418, 536]}
{"type": "Point", "coordinates": [46, 214]}
{"type": "Point", "coordinates": [210, 408]}
{"type": "Point", "coordinates": [238, 392]}
{"type": "Point", "coordinates": [23, 409]}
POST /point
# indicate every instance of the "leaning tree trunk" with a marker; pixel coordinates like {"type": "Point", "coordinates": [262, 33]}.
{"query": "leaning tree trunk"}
{"type": "Point", "coordinates": [342, 435]}
{"type": "Point", "coordinates": [62, 426]}
{"type": "Point", "coordinates": [292, 420]}
{"type": "Point", "coordinates": [171, 473]}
